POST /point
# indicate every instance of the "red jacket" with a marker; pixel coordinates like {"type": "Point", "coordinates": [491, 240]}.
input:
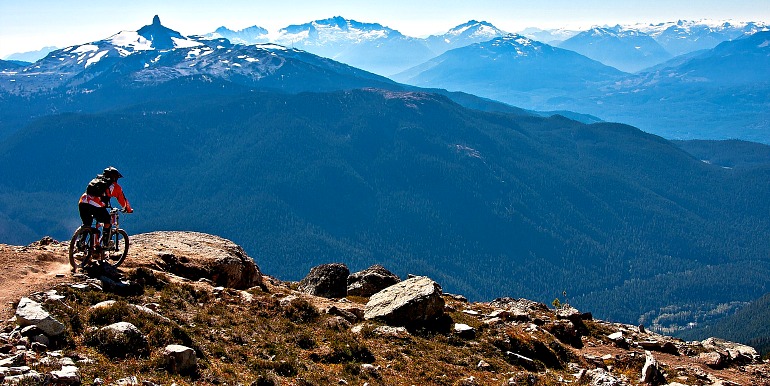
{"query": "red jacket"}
{"type": "Point", "coordinates": [113, 191]}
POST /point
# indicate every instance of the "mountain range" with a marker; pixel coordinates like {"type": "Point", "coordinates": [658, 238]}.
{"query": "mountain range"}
{"type": "Point", "coordinates": [715, 94]}
{"type": "Point", "coordinates": [625, 49]}
{"type": "Point", "coordinates": [304, 160]}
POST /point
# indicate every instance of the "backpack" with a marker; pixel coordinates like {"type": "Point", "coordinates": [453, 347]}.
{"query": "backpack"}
{"type": "Point", "coordinates": [98, 186]}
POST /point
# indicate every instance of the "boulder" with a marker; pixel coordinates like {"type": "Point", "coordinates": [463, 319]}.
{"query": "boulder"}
{"type": "Point", "coordinates": [735, 352]}
{"type": "Point", "coordinates": [713, 359]}
{"type": "Point", "coordinates": [68, 375]}
{"type": "Point", "coordinates": [194, 256]}
{"type": "Point", "coordinates": [180, 359]}
{"type": "Point", "coordinates": [31, 313]}
{"type": "Point", "coordinates": [651, 373]}
{"type": "Point", "coordinates": [370, 281]}
{"type": "Point", "coordinates": [413, 301]}
{"type": "Point", "coordinates": [326, 280]}
{"type": "Point", "coordinates": [120, 340]}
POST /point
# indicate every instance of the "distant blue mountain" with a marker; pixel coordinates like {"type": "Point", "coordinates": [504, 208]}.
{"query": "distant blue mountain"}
{"type": "Point", "coordinates": [31, 56]}
{"type": "Point", "coordinates": [721, 93]}
{"type": "Point", "coordinates": [625, 49]}
{"type": "Point", "coordinates": [682, 37]}
{"type": "Point", "coordinates": [250, 35]}
{"type": "Point", "coordinates": [509, 68]}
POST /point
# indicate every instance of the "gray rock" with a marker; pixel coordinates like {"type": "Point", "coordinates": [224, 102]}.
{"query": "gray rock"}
{"type": "Point", "coordinates": [68, 375]}
{"type": "Point", "coordinates": [195, 255]}
{"type": "Point", "coordinates": [416, 300]}
{"type": "Point", "coordinates": [180, 359]}
{"type": "Point", "coordinates": [122, 339]}
{"type": "Point", "coordinates": [31, 313]}
{"type": "Point", "coordinates": [464, 331]}
{"type": "Point", "coordinates": [601, 377]}
{"type": "Point", "coordinates": [735, 352]}
{"type": "Point", "coordinates": [393, 332]}
{"type": "Point", "coordinates": [651, 373]}
{"type": "Point", "coordinates": [326, 280]}
{"type": "Point", "coordinates": [713, 359]}
{"type": "Point", "coordinates": [370, 281]}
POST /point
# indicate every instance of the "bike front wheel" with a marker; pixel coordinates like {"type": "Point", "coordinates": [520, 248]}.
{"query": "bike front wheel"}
{"type": "Point", "coordinates": [81, 248]}
{"type": "Point", "coordinates": [117, 248]}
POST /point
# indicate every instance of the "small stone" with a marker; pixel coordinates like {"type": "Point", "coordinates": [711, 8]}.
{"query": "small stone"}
{"type": "Point", "coordinates": [465, 331]}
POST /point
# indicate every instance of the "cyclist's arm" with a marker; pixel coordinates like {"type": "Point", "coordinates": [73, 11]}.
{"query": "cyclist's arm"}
{"type": "Point", "coordinates": [117, 192]}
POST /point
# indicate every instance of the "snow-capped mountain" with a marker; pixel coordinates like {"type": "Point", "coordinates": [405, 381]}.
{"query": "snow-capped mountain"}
{"type": "Point", "coordinates": [464, 35]}
{"type": "Point", "coordinates": [549, 36]}
{"type": "Point", "coordinates": [369, 46]}
{"type": "Point", "coordinates": [250, 35]}
{"type": "Point", "coordinates": [684, 36]}
{"type": "Point", "coordinates": [629, 50]}
{"type": "Point", "coordinates": [156, 54]}
{"type": "Point", "coordinates": [509, 68]}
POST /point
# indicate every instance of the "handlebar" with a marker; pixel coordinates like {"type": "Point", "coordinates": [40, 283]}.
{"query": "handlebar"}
{"type": "Point", "coordinates": [115, 210]}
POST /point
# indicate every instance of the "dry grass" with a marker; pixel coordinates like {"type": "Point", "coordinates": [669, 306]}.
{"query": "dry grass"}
{"type": "Point", "coordinates": [265, 342]}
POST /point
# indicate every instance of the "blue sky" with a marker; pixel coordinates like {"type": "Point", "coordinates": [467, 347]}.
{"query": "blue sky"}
{"type": "Point", "coordinates": [31, 25]}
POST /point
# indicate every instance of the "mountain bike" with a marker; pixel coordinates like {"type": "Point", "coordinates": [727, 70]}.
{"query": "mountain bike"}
{"type": "Point", "coordinates": [85, 248]}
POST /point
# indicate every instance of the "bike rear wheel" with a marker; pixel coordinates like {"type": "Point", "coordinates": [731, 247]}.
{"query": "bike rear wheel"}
{"type": "Point", "coordinates": [81, 247]}
{"type": "Point", "coordinates": [117, 249]}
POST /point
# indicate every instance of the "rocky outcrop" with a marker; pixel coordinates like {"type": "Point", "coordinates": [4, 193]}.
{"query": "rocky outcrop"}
{"type": "Point", "coordinates": [195, 255]}
{"type": "Point", "coordinates": [370, 281]}
{"type": "Point", "coordinates": [327, 280]}
{"type": "Point", "coordinates": [413, 301]}
{"type": "Point", "coordinates": [31, 313]}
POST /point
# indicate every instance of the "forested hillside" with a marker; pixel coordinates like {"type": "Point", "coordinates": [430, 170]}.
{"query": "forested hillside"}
{"type": "Point", "coordinates": [488, 203]}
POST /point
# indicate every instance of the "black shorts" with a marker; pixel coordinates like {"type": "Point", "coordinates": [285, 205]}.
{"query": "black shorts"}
{"type": "Point", "coordinates": [89, 212]}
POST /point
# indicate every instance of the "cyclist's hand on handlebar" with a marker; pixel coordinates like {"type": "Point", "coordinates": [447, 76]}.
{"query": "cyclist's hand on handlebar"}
{"type": "Point", "coordinates": [129, 210]}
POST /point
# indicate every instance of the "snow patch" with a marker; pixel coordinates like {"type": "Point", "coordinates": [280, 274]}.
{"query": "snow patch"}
{"type": "Point", "coordinates": [96, 58]}
{"type": "Point", "coordinates": [86, 48]}
{"type": "Point", "coordinates": [131, 41]}
{"type": "Point", "coordinates": [765, 44]}
{"type": "Point", "coordinates": [270, 46]}
{"type": "Point", "coordinates": [185, 43]}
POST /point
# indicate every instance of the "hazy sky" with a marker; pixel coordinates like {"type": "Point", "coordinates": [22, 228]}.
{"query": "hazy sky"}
{"type": "Point", "coordinates": [31, 25]}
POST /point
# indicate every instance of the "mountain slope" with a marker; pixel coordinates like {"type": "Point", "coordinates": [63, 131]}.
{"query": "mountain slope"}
{"type": "Point", "coordinates": [528, 206]}
{"type": "Point", "coordinates": [625, 49]}
{"type": "Point", "coordinates": [752, 319]}
{"type": "Point", "coordinates": [513, 69]}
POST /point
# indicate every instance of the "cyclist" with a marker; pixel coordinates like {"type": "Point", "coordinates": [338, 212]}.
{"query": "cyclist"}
{"type": "Point", "coordinates": [94, 202]}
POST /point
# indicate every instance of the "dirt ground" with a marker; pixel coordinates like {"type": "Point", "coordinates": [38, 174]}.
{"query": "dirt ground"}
{"type": "Point", "coordinates": [30, 269]}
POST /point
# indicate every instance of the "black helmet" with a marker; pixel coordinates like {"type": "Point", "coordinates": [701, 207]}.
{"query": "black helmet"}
{"type": "Point", "coordinates": [112, 173]}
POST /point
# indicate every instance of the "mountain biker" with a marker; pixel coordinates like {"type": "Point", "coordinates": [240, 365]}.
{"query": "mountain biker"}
{"type": "Point", "coordinates": [94, 202]}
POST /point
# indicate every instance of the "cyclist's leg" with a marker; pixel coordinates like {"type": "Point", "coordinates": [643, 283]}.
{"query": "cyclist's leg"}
{"type": "Point", "coordinates": [102, 216]}
{"type": "Point", "coordinates": [86, 214]}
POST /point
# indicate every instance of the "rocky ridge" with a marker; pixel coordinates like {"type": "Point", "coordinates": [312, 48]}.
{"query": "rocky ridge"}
{"type": "Point", "coordinates": [177, 314]}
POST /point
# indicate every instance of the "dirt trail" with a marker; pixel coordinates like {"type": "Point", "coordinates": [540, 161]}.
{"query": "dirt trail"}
{"type": "Point", "coordinates": [30, 269]}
